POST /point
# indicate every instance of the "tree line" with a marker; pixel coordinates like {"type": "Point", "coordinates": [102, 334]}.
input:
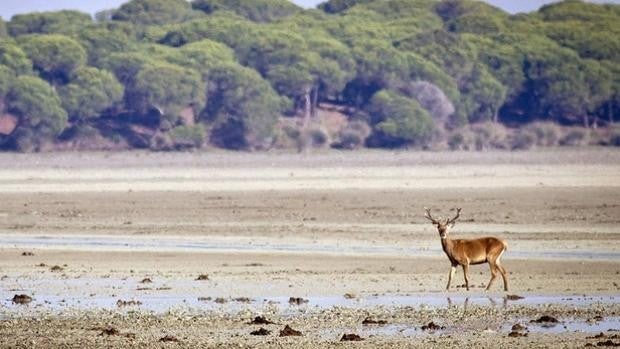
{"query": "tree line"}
{"type": "Point", "coordinates": [258, 74]}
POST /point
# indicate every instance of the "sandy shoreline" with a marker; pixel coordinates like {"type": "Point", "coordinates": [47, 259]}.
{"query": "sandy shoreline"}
{"type": "Point", "coordinates": [345, 233]}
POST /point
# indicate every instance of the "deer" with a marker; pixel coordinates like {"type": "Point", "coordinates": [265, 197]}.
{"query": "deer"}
{"type": "Point", "coordinates": [466, 252]}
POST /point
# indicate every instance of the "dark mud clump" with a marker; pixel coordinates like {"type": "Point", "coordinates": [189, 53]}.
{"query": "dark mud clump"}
{"type": "Point", "coordinates": [168, 338]}
{"type": "Point", "coordinates": [431, 326]}
{"type": "Point", "coordinates": [598, 336]}
{"type": "Point", "coordinates": [608, 343]}
{"type": "Point", "coordinates": [351, 337]}
{"type": "Point", "coordinates": [110, 331]}
{"type": "Point", "coordinates": [288, 332]}
{"type": "Point", "coordinates": [202, 277]}
{"type": "Point", "coordinates": [517, 334]}
{"type": "Point", "coordinates": [350, 296]}
{"type": "Point", "coordinates": [204, 299]}
{"type": "Point", "coordinates": [220, 300]}
{"type": "Point", "coordinates": [513, 297]}
{"type": "Point", "coordinates": [260, 320]}
{"type": "Point", "coordinates": [297, 300]}
{"type": "Point", "coordinates": [27, 254]}
{"type": "Point", "coordinates": [261, 332]}
{"type": "Point", "coordinates": [546, 319]}
{"type": "Point", "coordinates": [369, 321]}
{"type": "Point", "coordinates": [519, 327]}
{"type": "Point", "coordinates": [122, 303]}
{"type": "Point", "coordinates": [21, 299]}
{"type": "Point", "coordinates": [146, 281]}
{"type": "Point", "coordinates": [57, 268]}
{"type": "Point", "coordinates": [242, 299]}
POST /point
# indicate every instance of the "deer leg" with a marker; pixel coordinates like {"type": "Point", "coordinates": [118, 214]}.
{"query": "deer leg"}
{"type": "Point", "coordinates": [494, 270]}
{"type": "Point", "coordinates": [452, 270]}
{"type": "Point", "coordinates": [504, 276]}
{"type": "Point", "coordinates": [465, 274]}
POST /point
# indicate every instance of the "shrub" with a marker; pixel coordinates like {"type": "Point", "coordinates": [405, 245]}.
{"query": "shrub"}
{"type": "Point", "coordinates": [353, 136]}
{"type": "Point", "coordinates": [489, 135]}
{"type": "Point", "coordinates": [547, 133]}
{"type": "Point", "coordinates": [318, 137]}
{"type": "Point", "coordinates": [614, 139]}
{"type": "Point", "coordinates": [161, 141]}
{"type": "Point", "coordinates": [575, 137]}
{"type": "Point", "coordinates": [523, 139]}
{"type": "Point", "coordinates": [186, 137]}
{"type": "Point", "coordinates": [461, 139]}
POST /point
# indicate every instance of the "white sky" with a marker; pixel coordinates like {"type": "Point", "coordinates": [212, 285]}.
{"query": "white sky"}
{"type": "Point", "coordinates": [10, 7]}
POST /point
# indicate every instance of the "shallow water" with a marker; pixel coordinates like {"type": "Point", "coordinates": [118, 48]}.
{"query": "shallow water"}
{"type": "Point", "coordinates": [215, 244]}
{"type": "Point", "coordinates": [84, 293]}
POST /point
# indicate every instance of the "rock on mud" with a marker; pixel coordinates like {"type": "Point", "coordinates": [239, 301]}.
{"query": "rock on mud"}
{"type": "Point", "coordinates": [21, 299]}
{"type": "Point", "coordinates": [168, 338]}
{"type": "Point", "coordinates": [260, 320]}
{"type": "Point", "coordinates": [431, 326]}
{"type": "Point", "coordinates": [261, 332]}
{"type": "Point", "coordinates": [546, 319]}
{"type": "Point", "coordinates": [122, 303]}
{"type": "Point", "coordinates": [351, 337]}
{"type": "Point", "coordinates": [288, 332]}
{"type": "Point", "coordinates": [513, 297]}
{"type": "Point", "coordinates": [57, 268]}
{"type": "Point", "coordinates": [297, 300]}
{"type": "Point", "coordinates": [370, 321]}
{"type": "Point", "coordinates": [517, 334]}
{"type": "Point", "coordinates": [110, 331]}
{"type": "Point", "coordinates": [202, 277]}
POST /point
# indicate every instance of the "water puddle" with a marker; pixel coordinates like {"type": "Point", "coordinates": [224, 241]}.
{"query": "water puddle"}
{"type": "Point", "coordinates": [571, 325]}
{"type": "Point", "coordinates": [162, 295]}
{"type": "Point", "coordinates": [241, 244]}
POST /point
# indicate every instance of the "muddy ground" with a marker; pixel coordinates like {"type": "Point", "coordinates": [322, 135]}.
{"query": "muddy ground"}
{"type": "Point", "coordinates": [184, 250]}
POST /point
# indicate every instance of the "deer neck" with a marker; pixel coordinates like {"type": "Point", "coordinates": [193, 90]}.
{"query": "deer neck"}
{"type": "Point", "coordinates": [447, 244]}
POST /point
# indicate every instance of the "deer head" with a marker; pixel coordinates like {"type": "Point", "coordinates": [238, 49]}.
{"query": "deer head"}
{"type": "Point", "coordinates": [442, 227]}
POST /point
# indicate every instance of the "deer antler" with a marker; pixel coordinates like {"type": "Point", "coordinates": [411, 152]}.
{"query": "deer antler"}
{"type": "Point", "coordinates": [458, 214]}
{"type": "Point", "coordinates": [428, 215]}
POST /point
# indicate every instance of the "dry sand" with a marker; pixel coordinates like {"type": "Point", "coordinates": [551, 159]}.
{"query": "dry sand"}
{"type": "Point", "coordinates": [342, 230]}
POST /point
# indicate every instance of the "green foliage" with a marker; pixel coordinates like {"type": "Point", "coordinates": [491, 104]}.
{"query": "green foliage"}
{"type": "Point", "coordinates": [12, 56]}
{"type": "Point", "coordinates": [90, 92]}
{"type": "Point", "coordinates": [337, 6]}
{"type": "Point", "coordinates": [353, 136]}
{"type": "Point", "coordinates": [482, 96]}
{"type": "Point", "coordinates": [154, 12]}
{"type": "Point", "coordinates": [414, 70]}
{"type": "Point", "coordinates": [204, 55]}
{"type": "Point", "coordinates": [55, 56]}
{"type": "Point", "coordinates": [167, 87]}
{"type": "Point", "coordinates": [243, 108]}
{"type": "Point", "coordinates": [60, 22]}
{"type": "Point", "coordinates": [3, 31]}
{"type": "Point", "coordinates": [37, 104]}
{"type": "Point", "coordinates": [6, 78]}
{"type": "Point", "coordinates": [255, 10]}
{"type": "Point", "coordinates": [102, 40]}
{"type": "Point", "coordinates": [398, 120]}
{"type": "Point", "coordinates": [186, 136]}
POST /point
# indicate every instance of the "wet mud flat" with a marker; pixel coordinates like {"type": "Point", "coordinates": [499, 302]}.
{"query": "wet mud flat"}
{"type": "Point", "coordinates": [310, 326]}
{"type": "Point", "coordinates": [288, 251]}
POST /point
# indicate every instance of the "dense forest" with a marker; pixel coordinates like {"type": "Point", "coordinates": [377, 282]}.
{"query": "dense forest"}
{"type": "Point", "coordinates": [265, 74]}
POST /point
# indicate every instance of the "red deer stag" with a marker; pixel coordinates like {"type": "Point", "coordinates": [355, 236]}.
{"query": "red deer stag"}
{"type": "Point", "coordinates": [465, 252]}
